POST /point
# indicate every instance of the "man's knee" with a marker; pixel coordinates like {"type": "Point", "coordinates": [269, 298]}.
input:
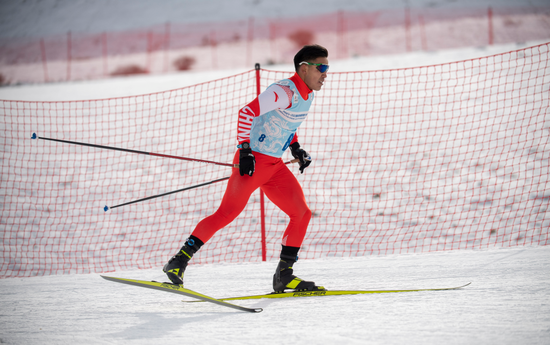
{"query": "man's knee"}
{"type": "Point", "coordinates": [304, 213]}
{"type": "Point", "coordinates": [228, 214]}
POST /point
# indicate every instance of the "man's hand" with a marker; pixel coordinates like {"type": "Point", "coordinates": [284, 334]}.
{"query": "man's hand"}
{"type": "Point", "coordinates": [302, 155]}
{"type": "Point", "coordinates": [247, 161]}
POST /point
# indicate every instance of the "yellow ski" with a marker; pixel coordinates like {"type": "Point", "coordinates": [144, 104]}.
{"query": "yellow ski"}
{"type": "Point", "coordinates": [179, 289]}
{"type": "Point", "coordinates": [331, 293]}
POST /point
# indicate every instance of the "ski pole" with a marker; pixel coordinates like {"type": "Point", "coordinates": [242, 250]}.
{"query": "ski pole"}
{"type": "Point", "coordinates": [107, 208]}
{"type": "Point", "coordinates": [34, 136]}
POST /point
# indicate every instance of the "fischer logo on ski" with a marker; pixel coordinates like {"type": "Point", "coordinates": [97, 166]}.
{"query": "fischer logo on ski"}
{"type": "Point", "coordinates": [309, 293]}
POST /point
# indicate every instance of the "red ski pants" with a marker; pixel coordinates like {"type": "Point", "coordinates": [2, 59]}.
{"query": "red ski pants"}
{"type": "Point", "coordinates": [279, 185]}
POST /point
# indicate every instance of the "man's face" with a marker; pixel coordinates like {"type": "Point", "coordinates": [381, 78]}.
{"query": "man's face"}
{"type": "Point", "coordinates": [311, 75]}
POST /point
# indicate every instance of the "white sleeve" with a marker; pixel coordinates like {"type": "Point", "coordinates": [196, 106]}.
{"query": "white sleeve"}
{"type": "Point", "coordinates": [274, 97]}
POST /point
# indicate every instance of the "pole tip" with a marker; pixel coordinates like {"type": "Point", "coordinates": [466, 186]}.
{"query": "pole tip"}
{"type": "Point", "coordinates": [34, 136]}
{"type": "Point", "coordinates": [106, 208]}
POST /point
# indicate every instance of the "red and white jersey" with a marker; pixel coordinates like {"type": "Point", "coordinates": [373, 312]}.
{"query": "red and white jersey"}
{"type": "Point", "coordinates": [270, 121]}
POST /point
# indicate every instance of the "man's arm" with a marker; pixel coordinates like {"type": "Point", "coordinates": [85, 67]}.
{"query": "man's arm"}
{"type": "Point", "coordinates": [274, 97]}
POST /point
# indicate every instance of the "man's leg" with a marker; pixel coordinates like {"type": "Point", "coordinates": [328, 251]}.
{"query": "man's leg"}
{"type": "Point", "coordinates": [284, 191]}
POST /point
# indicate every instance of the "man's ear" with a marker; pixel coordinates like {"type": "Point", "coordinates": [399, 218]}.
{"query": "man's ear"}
{"type": "Point", "coordinates": [302, 71]}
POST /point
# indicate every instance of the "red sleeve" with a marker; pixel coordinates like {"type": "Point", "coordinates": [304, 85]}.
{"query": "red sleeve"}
{"type": "Point", "coordinates": [246, 116]}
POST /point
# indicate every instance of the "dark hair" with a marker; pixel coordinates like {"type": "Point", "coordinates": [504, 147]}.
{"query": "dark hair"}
{"type": "Point", "coordinates": [308, 53]}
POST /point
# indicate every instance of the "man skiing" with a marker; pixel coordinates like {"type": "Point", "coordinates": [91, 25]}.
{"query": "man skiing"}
{"type": "Point", "coordinates": [266, 128]}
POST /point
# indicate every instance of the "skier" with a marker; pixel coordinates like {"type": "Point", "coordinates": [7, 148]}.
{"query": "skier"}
{"type": "Point", "coordinates": [266, 128]}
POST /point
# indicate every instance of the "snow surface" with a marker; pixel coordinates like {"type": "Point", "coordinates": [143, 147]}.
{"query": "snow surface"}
{"type": "Point", "coordinates": [507, 303]}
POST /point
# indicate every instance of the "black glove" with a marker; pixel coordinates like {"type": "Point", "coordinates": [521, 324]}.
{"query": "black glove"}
{"type": "Point", "coordinates": [246, 160]}
{"type": "Point", "coordinates": [302, 155]}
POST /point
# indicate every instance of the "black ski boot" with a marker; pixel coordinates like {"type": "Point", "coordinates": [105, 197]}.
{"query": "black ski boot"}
{"type": "Point", "coordinates": [176, 266]}
{"type": "Point", "coordinates": [284, 278]}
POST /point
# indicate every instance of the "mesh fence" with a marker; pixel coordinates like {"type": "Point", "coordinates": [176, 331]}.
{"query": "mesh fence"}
{"type": "Point", "coordinates": [445, 157]}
